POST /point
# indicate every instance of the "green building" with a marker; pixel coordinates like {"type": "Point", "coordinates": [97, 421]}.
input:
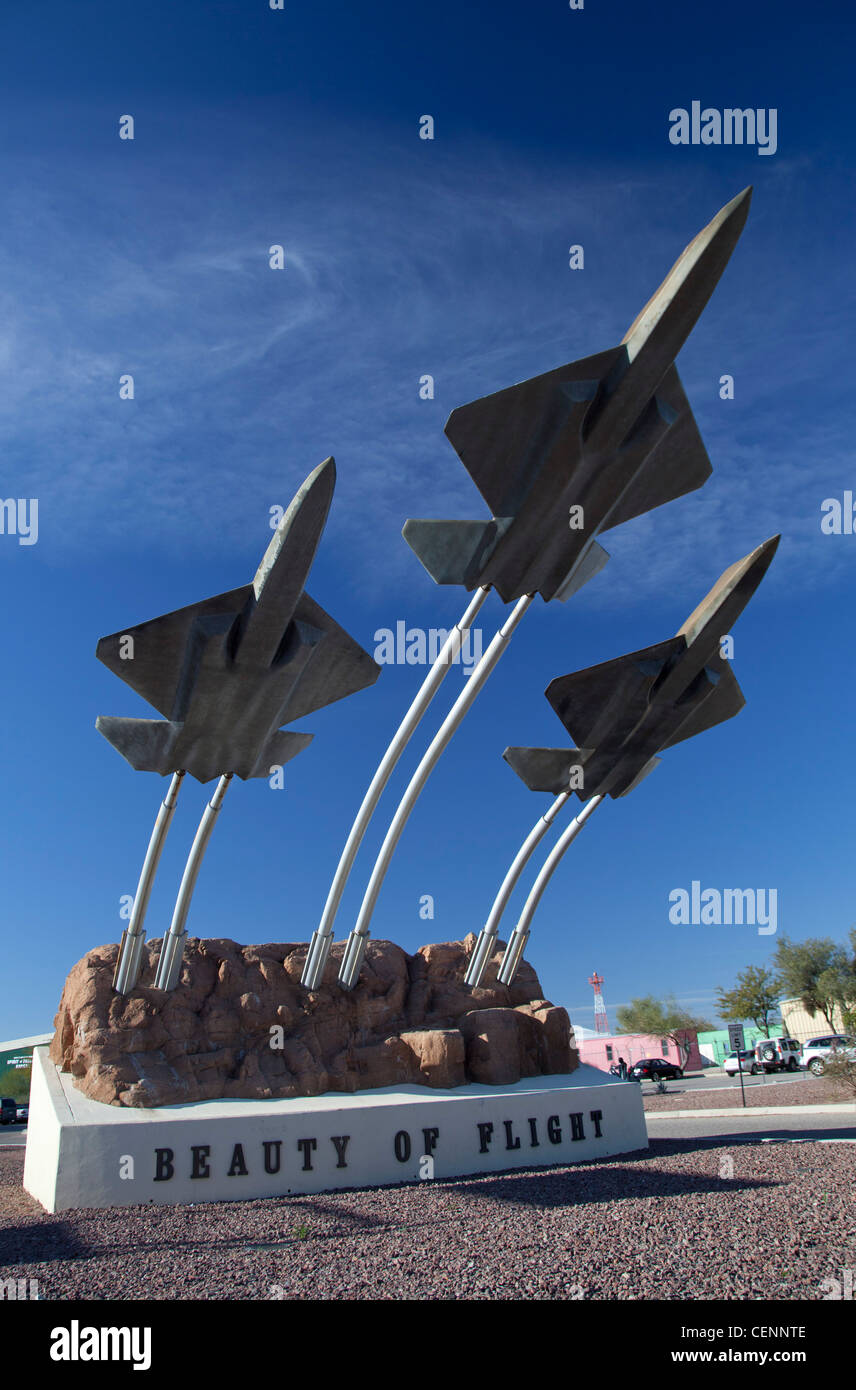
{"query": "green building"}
{"type": "Point", "coordinates": [18, 1053]}
{"type": "Point", "coordinates": [715, 1046]}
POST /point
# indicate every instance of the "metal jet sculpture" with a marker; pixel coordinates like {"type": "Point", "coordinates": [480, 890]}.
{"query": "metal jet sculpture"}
{"type": "Point", "coordinates": [558, 459]}
{"type": "Point", "coordinates": [623, 713]}
{"type": "Point", "coordinates": [226, 673]}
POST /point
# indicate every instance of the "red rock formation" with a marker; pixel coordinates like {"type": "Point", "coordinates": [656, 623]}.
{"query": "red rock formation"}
{"type": "Point", "coordinates": [241, 1025]}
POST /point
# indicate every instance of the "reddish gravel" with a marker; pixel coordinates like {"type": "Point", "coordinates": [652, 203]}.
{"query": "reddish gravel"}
{"type": "Point", "coordinates": [807, 1091]}
{"type": "Point", "coordinates": [683, 1221]}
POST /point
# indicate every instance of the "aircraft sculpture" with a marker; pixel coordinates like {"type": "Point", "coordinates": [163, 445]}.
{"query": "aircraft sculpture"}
{"type": "Point", "coordinates": [623, 713]}
{"type": "Point", "coordinates": [558, 459]}
{"type": "Point", "coordinates": [226, 673]}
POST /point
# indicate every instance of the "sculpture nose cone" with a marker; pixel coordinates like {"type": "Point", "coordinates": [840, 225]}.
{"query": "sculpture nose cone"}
{"type": "Point", "coordinates": [765, 552]}
{"type": "Point", "coordinates": [751, 569]}
{"type": "Point", "coordinates": [667, 319]}
{"type": "Point", "coordinates": [732, 591]}
{"type": "Point", "coordinates": [320, 484]}
{"type": "Point", "coordinates": [288, 558]}
{"type": "Point", "coordinates": [738, 208]}
{"type": "Point", "coordinates": [281, 576]}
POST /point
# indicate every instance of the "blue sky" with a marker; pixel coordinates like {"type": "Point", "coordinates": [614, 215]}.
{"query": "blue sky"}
{"type": "Point", "coordinates": [405, 257]}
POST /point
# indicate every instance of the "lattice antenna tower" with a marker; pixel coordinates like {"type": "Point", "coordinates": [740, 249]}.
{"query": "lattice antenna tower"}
{"type": "Point", "coordinates": [601, 1022]}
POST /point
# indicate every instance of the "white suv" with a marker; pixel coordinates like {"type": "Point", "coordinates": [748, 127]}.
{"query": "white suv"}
{"type": "Point", "coordinates": [818, 1050]}
{"type": "Point", "coordinates": [778, 1054]}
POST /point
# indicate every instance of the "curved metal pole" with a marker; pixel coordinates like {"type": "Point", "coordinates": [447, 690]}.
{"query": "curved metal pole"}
{"type": "Point", "coordinates": [356, 947]}
{"type": "Point", "coordinates": [169, 964]}
{"type": "Point", "coordinates": [127, 969]}
{"type": "Point", "coordinates": [520, 935]}
{"type": "Point", "coordinates": [322, 937]}
{"type": "Point", "coordinates": [488, 934]}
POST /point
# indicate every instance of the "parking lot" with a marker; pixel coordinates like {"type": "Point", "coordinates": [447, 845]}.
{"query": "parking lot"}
{"type": "Point", "coordinates": [717, 1080]}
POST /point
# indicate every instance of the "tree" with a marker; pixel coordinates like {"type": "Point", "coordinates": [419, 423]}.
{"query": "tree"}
{"type": "Point", "coordinates": [15, 1083]}
{"type": "Point", "coordinates": [755, 996]}
{"type": "Point", "coordinates": [848, 1009]}
{"type": "Point", "coordinates": [665, 1019]}
{"type": "Point", "coordinates": [819, 973]}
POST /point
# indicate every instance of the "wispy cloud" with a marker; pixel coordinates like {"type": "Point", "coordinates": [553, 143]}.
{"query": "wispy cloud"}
{"type": "Point", "coordinates": [246, 377]}
{"type": "Point", "coordinates": [699, 1001]}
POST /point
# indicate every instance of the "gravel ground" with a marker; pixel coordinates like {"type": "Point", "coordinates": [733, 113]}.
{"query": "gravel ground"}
{"type": "Point", "coordinates": [682, 1221]}
{"type": "Point", "coordinates": [811, 1091]}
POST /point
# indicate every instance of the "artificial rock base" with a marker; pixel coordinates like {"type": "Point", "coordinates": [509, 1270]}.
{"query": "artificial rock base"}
{"type": "Point", "coordinates": [82, 1153]}
{"type": "Point", "coordinates": [239, 1025]}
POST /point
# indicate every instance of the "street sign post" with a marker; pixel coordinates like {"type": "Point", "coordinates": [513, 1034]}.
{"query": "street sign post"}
{"type": "Point", "coordinates": [737, 1041]}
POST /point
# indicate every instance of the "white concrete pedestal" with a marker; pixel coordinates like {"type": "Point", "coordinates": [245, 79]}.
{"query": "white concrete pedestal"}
{"type": "Point", "coordinates": [81, 1153]}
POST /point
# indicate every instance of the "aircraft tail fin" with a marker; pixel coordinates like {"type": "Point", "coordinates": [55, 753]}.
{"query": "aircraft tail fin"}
{"type": "Point", "coordinates": [145, 743]}
{"type": "Point", "coordinates": [280, 748]}
{"type": "Point", "coordinates": [545, 769]}
{"type": "Point", "coordinates": [640, 777]}
{"type": "Point", "coordinates": [452, 551]}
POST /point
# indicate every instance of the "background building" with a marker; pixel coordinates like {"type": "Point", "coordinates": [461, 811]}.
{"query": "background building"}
{"type": "Point", "coordinates": [18, 1052]}
{"type": "Point", "coordinates": [601, 1050]}
{"type": "Point", "coordinates": [715, 1047]}
{"type": "Point", "coordinates": [802, 1025]}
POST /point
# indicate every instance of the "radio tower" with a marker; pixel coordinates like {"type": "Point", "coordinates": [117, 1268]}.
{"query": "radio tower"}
{"type": "Point", "coordinates": [601, 1023]}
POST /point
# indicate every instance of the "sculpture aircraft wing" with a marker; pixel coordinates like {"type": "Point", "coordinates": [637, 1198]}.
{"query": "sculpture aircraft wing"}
{"type": "Point", "coordinates": [504, 439]}
{"type": "Point", "coordinates": [612, 696]}
{"type": "Point", "coordinates": [726, 700]}
{"type": "Point", "coordinates": [677, 465]}
{"type": "Point", "coordinates": [341, 668]}
{"type": "Point", "coordinates": [640, 777]}
{"type": "Point", "coordinates": [503, 451]}
{"type": "Point", "coordinates": [159, 658]}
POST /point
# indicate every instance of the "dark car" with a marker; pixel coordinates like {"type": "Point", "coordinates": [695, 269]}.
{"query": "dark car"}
{"type": "Point", "coordinates": [655, 1069]}
{"type": "Point", "coordinates": [8, 1111]}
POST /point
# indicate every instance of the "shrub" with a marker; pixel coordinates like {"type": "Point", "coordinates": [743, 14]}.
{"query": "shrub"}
{"type": "Point", "coordinates": [840, 1069]}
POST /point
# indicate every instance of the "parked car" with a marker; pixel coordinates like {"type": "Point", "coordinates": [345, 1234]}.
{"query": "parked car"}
{"type": "Point", "coordinates": [655, 1069]}
{"type": "Point", "coordinates": [748, 1062]}
{"type": "Point", "coordinates": [23, 1114]}
{"type": "Point", "coordinates": [778, 1054]}
{"type": "Point", "coordinates": [8, 1111]}
{"type": "Point", "coordinates": [817, 1051]}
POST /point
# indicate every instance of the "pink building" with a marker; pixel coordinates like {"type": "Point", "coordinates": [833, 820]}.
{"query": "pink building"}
{"type": "Point", "coordinates": [600, 1050]}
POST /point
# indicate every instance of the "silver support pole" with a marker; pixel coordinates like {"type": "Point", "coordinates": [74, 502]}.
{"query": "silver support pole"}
{"type": "Point", "coordinates": [322, 937]}
{"type": "Point", "coordinates": [169, 964]}
{"type": "Point", "coordinates": [517, 941]}
{"type": "Point", "coordinates": [130, 955]}
{"type": "Point", "coordinates": [487, 936]}
{"type": "Point", "coordinates": [350, 969]}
